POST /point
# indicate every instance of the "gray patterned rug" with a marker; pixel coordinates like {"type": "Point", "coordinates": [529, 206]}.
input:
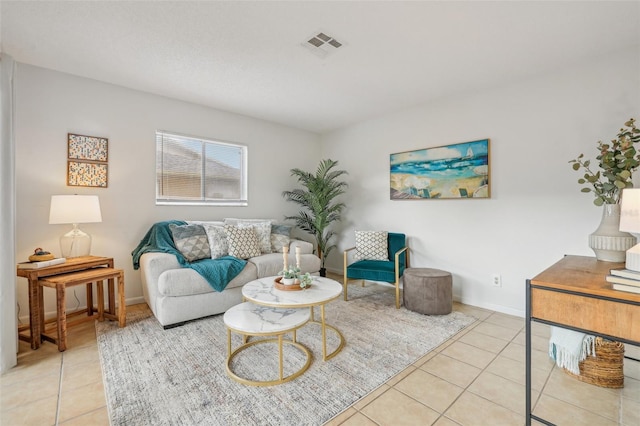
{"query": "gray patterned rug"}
{"type": "Point", "coordinates": [154, 376]}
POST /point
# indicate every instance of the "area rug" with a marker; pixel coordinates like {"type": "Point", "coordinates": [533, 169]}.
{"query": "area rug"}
{"type": "Point", "coordinates": [154, 376]}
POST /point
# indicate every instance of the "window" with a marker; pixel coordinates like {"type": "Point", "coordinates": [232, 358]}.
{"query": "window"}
{"type": "Point", "coordinates": [192, 170]}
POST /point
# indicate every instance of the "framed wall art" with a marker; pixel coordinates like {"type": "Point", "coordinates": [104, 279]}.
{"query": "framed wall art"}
{"type": "Point", "coordinates": [87, 163]}
{"type": "Point", "coordinates": [88, 148]}
{"type": "Point", "coordinates": [451, 171]}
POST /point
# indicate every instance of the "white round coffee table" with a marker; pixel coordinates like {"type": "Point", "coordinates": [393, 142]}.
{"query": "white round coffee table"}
{"type": "Point", "coordinates": [248, 319]}
{"type": "Point", "coordinates": [322, 291]}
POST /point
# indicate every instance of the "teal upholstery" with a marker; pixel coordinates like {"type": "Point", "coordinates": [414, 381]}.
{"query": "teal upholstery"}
{"type": "Point", "coordinates": [380, 270]}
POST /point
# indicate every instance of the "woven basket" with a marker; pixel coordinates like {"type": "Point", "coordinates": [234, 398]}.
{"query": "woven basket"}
{"type": "Point", "coordinates": [605, 369]}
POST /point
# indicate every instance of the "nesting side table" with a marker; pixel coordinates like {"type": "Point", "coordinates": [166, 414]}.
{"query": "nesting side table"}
{"type": "Point", "coordinates": [87, 277]}
{"type": "Point", "coordinates": [248, 320]}
{"type": "Point", "coordinates": [81, 263]}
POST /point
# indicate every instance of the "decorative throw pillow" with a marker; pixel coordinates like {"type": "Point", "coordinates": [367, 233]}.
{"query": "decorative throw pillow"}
{"type": "Point", "coordinates": [243, 242]}
{"type": "Point", "coordinates": [371, 245]}
{"type": "Point", "coordinates": [191, 241]}
{"type": "Point", "coordinates": [261, 226]}
{"type": "Point", "coordinates": [217, 240]}
{"type": "Point", "coordinates": [280, 237]}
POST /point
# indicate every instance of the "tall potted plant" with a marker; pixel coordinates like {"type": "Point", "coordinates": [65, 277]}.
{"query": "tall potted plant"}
{"type": "Point", "coordinates": [318, 200]}
{"type": "Point", "coordinates": [617, 161]}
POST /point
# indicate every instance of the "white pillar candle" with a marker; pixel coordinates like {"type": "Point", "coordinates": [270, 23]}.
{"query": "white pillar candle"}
{"type": "Point", "coordinates": [285, 250]}
{"type": "Point", "coordinates": [298, 257]}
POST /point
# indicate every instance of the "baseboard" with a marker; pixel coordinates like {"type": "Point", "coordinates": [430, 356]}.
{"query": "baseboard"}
{"type": "Point", "coordinates": [466, 301]}
{"type": "Point", "coordinates": [490, 306]}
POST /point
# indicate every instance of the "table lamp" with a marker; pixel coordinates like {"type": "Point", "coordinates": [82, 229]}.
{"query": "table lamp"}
{"type": "Point", "coordinates": [630, 222]}
{"type": "Point", "coordinates": [75, 209]}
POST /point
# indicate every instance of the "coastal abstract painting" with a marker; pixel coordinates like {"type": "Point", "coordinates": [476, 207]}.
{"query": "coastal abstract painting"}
{"type": "Point", "coordinates": [451, 171]}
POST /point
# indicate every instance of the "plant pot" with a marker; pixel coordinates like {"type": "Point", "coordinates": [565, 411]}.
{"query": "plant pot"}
{"type": "Point", "coordinates": [323, 272]}
{"type": "Point", "coordinates": [288, 281]}
{"type": "Point", "coordinates": [608, 242]}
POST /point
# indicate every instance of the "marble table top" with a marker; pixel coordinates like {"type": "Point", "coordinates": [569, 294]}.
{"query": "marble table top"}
{"type": "Point", "coordinates": [256, 320]}
{"type": "Point", "coordinates": [263, 292]}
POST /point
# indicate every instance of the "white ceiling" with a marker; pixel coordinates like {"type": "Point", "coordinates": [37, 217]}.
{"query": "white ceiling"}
{"type": "Point", "coordinates": [246, 57]}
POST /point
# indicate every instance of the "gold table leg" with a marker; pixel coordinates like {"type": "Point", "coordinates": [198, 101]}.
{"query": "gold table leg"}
{"type": "Point", "coordinates": [324, 326]}
{"type": "Point", "coordinates": [280, 341]}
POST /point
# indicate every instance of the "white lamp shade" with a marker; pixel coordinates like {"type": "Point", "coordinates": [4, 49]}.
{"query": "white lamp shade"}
{"type": "Point", "coordinates": [630, 210]}
{"type": "Point", "coordinates": [74, 209]}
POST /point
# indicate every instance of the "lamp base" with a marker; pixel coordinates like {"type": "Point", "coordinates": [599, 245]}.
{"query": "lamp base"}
{"type": "Point", "coordinates": [633, 258]}
{"type": "Point", "coordinates": [75, 243]}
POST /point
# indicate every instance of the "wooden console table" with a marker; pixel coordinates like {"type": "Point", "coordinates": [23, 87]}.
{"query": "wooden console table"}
{"type": "Point", "coordinates": [574, 294]}
{"type": "Point", "coordinates": [81, 263]}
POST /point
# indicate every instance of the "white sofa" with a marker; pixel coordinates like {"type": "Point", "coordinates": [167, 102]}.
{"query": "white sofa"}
{"type": "Point", "coordinates": [177, 295]}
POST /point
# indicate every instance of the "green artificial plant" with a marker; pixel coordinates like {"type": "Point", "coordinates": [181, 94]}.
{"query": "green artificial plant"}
{"type": "Point", "coordinates": [318, 200]}
{"type": "Point", "coordinates": [617, 160]}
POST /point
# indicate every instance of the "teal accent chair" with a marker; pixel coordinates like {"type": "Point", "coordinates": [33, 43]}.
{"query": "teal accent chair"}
{"type": "Point", "coordinates": [388, 271]}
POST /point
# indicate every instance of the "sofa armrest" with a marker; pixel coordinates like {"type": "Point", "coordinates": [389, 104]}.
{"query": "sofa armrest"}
{"type": "Point", "coordinates": [152, 265]}
{"type": "Point", "coordinates": [305, 246]}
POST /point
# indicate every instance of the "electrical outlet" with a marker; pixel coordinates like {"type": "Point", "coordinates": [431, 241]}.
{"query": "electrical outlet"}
{"type": "Point", "coordinates": [496, 279]}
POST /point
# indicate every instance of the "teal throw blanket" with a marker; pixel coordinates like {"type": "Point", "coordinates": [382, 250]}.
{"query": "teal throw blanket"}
{"type": "Point", "coordinates": [217, 272]}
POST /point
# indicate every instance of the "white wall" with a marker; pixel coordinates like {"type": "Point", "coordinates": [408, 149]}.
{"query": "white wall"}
{"type": "Point", "coordinates": [8, 338]}
{"type": "Point", "coordinates": [536, 213]}
{"type": "Point", "coordinates": [50, 104]}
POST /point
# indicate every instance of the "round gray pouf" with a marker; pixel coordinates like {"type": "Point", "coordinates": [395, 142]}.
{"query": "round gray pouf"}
{"type": "Point", "coordinates": [428, 291]}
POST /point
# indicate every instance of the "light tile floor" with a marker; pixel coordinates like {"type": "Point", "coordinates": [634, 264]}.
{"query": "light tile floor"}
{"type": "Point", "coordinates": [475, 378]}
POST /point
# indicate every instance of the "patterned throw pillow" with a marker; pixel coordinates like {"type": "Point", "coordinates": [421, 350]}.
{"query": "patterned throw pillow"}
{"type": "Point", "coordinates": [191, 241]}
{"type": "Point", "coordinates": [371, 245]}
{"type": "Point", "coordinates": [280, 237]}
{"type": "Point", "coordinates": [261, 226]}
{"type": "Point", "coordinates": [243, 242]}
{"type": "Point", "coordinates": [217, 240]}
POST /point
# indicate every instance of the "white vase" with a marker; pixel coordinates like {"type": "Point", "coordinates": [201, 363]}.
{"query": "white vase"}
{"type": "Point", "coordinates": [288, 281]}
{"type": "Point", "coordinates": [608, 242]}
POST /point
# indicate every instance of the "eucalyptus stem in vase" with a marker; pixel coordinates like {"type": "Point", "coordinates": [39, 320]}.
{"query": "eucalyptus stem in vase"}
{"type": "Point", "coordinates": [617, 161]}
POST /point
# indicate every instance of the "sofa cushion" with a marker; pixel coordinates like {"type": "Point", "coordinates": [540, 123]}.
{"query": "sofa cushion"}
{"type": "Point", "coordinates": [191, 241]}
{"type": "Point", "coordinates": [243, 242]}
{"type": "Point", "coordinates": [280, 237]}
{"type": "Point", "coordinates": [187, 282]}
{"type": "Point", "coordinates": [305, 246]}
{"type": "Point", "coordinates": [261, 226]}
{"type": "Point", "coordinates": [217, 240]}
{"type": "Point", "coordinates": [371, 245]}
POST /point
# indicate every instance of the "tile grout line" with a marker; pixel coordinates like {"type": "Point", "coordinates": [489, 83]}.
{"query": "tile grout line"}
{"type": "Point", "coordinates": [452, 338]}
{"type": "Point", "coordinates": [465, 389]}
{"type": "Point", "coordinates": [59, 401]}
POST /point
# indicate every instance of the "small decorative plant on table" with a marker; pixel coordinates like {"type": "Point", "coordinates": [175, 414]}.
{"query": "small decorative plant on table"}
{"type": "Point", "coordinates": [290, 275]}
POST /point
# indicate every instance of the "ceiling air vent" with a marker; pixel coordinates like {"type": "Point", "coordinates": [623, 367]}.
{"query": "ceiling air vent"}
{"type": "Point", "coordinates": [322, 44]}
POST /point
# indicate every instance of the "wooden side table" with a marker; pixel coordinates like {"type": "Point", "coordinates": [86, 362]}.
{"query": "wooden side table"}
{"type": "Point", "coordinates": [33, 275]}
{"type": "Point", "coordinates": [86, 277]}
{"type": "Point", "coordinates": [573, 294]}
